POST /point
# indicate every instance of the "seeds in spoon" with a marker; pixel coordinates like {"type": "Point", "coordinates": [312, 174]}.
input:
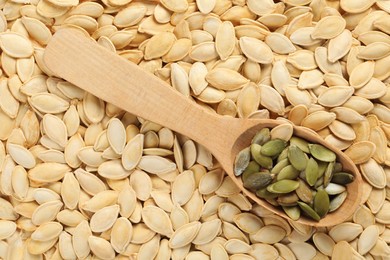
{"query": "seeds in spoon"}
{"type": "Point", "coordinates": [293, 174]}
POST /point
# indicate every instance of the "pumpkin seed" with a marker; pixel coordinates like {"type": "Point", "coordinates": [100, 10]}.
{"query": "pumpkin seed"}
{"type": "Point", "coordinates": [289, 172]}
{"type": "Point", "coordinates": [342, 178]}
{"type": "Point", "coordinates": [309, 211]}
{"type": "Point", "coordinates": [321, 202]}
{"type": "Point", "coordinates": [322, 153]}
{"type": "Point", "coordinates": [241, 161]}
{"type": "Point", "coordinates": [337, 201]}
{"type": "Point", "coordinates": [273, 147]}
{"type": "Point", "coordinates": [297, 158]}
{"type": "Point", "coordinates": [258, 180]}
{"type": "Point", "coordinates": [311, 172]}
{"type": "Point", "coordinates": [304, 192]}
{"type": "Point", "coordinates": [262, 160]}
{"type": "Point", "coordinates": [328, 173]}
{"type": "Point", "coordinates": [283, 186]}
{"type": "Point", "coordinates": [261, 137]}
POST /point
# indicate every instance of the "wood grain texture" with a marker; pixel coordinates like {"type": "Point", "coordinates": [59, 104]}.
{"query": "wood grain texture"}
{"type": "Point", "coordinates": [79, 60]}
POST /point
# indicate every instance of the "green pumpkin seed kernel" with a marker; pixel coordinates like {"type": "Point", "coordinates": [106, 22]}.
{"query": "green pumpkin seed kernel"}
{"type": "Point", "coordinates": [292, 211]}
{"type": "Point", "coordinates": [263, 136]}
{"type": "Point", "coordinates": [242, 161]}
{"type": "Point", "coordinates": [283, 155]}
{"type": "Point", "coordinates": [273, 147]}
{"type": "Point", "coordinates": [252, 167]}
{"type": "Point", "coordinates": [289, 172]}
{"type": "Point", "coordinates": [322, 153]}
{"type": "Point", "coordinates": [289, 199]}
{"type": "Point", "coordinates": [309, 211]}
{"type": "Point", "coordinates": [279, 166]}
{"type": "Point", "coordinates": [261, 159]}
{"type": "Point", "coordinates": [301, 143]}
{"type": "Point", "coordinates": [320, 182]}
{"type": "Point", "coordinates": [328, 173]}
{"type": "Point", "coordinates": [338, 167]}
{"type": "Point", "coordinates": [321, 202]}
{"type": "Point", "coordinates": [304, 192]}
{"type": "Point", "coordinates": [258, 180]}
{"type": "Point", "coordinates": [273, 202]}
{"type": "Point", "coordinates": [265, 194]}
{"type": "Point", "coordinates": [311, 171]}
{"type": "Point", "coordinates": [342, 178]}
{"type": "Point", "coordinates": [297, 158]}
{"type": "Point", "coordinates": [321, 168]}
{"type": "Point", "coordinates": [283, 186]}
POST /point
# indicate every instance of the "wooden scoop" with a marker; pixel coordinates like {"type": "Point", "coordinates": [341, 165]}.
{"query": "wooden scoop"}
{"type": "Point", "coordinates": [79, 60]}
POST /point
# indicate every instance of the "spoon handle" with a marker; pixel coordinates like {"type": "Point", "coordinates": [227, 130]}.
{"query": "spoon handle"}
{"type": "Point", "coordinates": [77, 59]}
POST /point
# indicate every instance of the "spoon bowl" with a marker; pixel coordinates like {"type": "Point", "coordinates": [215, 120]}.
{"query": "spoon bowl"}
{"type": "Point", "coordinates": [79, 60]}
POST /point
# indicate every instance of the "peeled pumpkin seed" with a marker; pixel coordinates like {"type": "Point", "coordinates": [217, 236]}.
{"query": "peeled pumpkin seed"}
{"type": "Point", "coordinates": [273, 147]}
{"type": "Point", "coordinates": [258, 180]}
{"type": "Point", "coordinates": [304, 192]}
{"type": "Point", "coordinates": [297, 158]}
{"type": "Point", "coordinates": [321, 202]}
{"type": "Point", "coordinates": [342, 178]}
{"type": "Point", "coordinates": [322, 153]}
{"type": "Point", "coordinates": [283, 186]}
{"type": "Point", "coordinates": [289, 172]}
{"type": "Point", "coordinates": [309, 211]}
{"type": "Point", "coordinates": [311, 172]}
{"type": "Point", "coordinates": [262, 160]}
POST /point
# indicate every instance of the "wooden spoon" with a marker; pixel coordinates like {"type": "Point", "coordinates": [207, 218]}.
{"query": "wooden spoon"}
{"type": "Point", "coordinates": [79, 60]}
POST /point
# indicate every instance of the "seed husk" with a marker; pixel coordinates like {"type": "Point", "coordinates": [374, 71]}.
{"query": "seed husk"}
{"type": "Point", "coordinates": [273, 147]}
{"type": "Point", "coordinates": [258, 180]}
{"type": "Point", "coordinates": [309, 211]}
{"type": "Point", "coordinates": [322, 153]}
{"type": "Point", "coordinates": [242, 160]}
{"type": "Point", "coordinates": [261, 159]}
{"type": "Point", "coordinates": [334, 189]}
{"type": "Point", "coordinates": [311, 172]}
{"type": "Point", "coordinates": [342, 178]}
{"type": "Point", "coordinates": [337, 201]}
{"type": "Point", "coordinates": [297, 158]}
{"type": "Point", "coordinates": [321, 202]}
{"type": "Point", "coordinates": [283, 186]}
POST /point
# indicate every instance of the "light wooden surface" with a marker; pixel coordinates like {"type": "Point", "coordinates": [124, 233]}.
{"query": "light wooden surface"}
{"type": "Point", "coordinates": [79, 60]}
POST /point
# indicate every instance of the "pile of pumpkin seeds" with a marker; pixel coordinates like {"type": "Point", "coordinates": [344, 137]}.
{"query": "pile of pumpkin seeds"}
{"type": "Point", "coordinates": [294, 174]}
